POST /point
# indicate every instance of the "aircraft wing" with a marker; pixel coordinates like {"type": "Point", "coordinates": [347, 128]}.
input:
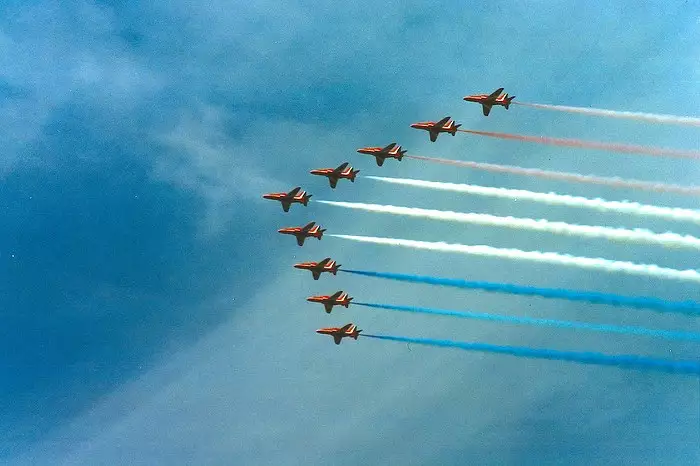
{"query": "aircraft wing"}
{"type": "Point", "coordinates": [300, 240]}
{"type": "Point", "coordinates": [433, 136]}
{"type": "Point", "coordinates": [294, 191]}
{"type": "Point", "coordinates": [323, 262]}
{"type": "Point", "coordinates": [337, 338]}
{"type": "Point", "coordinates": [496, 93]}
{"type": "Point", "coordinates": [486, 108]}
{"type": "Point", "coordinates": [308, 226]}
{"type": "Point", "coordinates": [346, 327]}
{"type": "Point", "coordinates": [333, 182]}
{"type": "Point", "coordinates": [335, 295]}
{"type": "Point", "coordinates": [389, 147]}
{"type": "Point", "coordinates": [380, 160]}
{"type": "Point", "coordinates": [442, 122]}
{"type": "Point", "coordinates": [341, 167]}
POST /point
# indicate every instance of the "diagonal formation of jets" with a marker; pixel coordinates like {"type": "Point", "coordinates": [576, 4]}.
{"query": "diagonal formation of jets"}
{"type": "Point", "coordinates": [345, 171]}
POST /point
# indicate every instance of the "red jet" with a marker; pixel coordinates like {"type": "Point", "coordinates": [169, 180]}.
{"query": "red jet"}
{"type": "Point", "coordinates": [335, 174]}
{"type": "Point", "coordinates": [307, 231]}
{"type": "Point", "coordinates": [338, 298]}
{"type": "Point", "coordinates": [287, 199]}
{"type": "Point", "coordinates": [317, 268]}
{"type": "Point", "coordinates": [446, 125]}
{"type": "Point", "coordinates": [488, 101]}
{"type": "Point", "coordinates": [338, 333]}
{"type": "Point", "coordinates": [392, 151]}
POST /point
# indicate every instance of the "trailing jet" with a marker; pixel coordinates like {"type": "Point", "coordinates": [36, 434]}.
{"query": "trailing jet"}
{"type": "Point", "coordinates": [338, 333]}
{"type": "Point", "coordinates": [334, 174]}
{"type": "Point", "coordinates": [307, 231]}
{"type": "Point", "coordinates": [317, 268]}
{"type": "Point", "coordinates": [338, 298]}
{"type": "Point", "coordinates": [446, 125]}
{"type": "Point", "coordinates": [488, 101]}
{"type": "Point", "coordinates": [392, 151]}
{"type": "Point", "coordinates": [296, 195]}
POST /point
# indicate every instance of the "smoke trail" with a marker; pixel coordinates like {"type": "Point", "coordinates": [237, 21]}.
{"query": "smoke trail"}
{"type": "Point", "coordinates": [638, 235]}
{"type": "Point", "coordinates": [623, 361]}
{"type": "Point", "coordinates": [625, 330]}
{"type": "Point", "coordinates": [586, 263]}
{"type": "Point", "coordinates": [650, 117]}
{"type": "Point", "coordinates": [613, 182]}
{"type": "Point", "coordinates": [625, 207]}
{"type": "Point", "coordinates": [690, 308]}
{"type": "Point", "coordinates": [607, 146]}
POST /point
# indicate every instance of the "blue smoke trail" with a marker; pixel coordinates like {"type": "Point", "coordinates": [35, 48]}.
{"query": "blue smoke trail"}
{"type": "Point", "coordinates": [667, 334]}
{"type": "Point", "coordinates": [691, 308]}
{"type": "Point", "coordinates": [624, 361]}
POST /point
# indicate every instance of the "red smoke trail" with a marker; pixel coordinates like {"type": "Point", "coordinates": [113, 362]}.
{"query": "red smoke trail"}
{"type": "Point", "coordinates": [613, 182]}
{"type": "Point", "coordinates": [608, 146]}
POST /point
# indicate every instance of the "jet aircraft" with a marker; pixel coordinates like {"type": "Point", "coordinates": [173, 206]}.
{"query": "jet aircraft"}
{"type": "Point", "coordinates": [317, 268]}
{"type": "Point", "coordinates": [338, 298]}
{"type": "Point", "coordinates": [338, 333]}
{"type": "Point", "coordinates": [335, 174]}
{"type": "Point", "coordinates": [392, 151]}
{"type": "Point", "coordinates": [488, 101]}
{"type": "Point", "coordinates": [446, 125]}
{"type": "Point", "coordinates": [296, 195]}
{"type": "Point", "coordinates": [307, 231]}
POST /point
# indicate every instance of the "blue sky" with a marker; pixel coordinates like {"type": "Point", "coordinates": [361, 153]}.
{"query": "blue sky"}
{"type": "Point", "coordinates": [151, 314]}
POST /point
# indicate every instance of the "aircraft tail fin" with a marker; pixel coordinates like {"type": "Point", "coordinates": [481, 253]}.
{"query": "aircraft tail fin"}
{"type": "Point", "coordinates": [305, 201]}
{"type": "Point", "coordinates": [347, 302]}
{"type": "Point", "coordinates": [320, 233]}
{"type": "Point", "coordinates": [356, 334]}
{"type": "Point", "coordinates": [508, 101]}
{"type": "Point", "coordinates": [334, 271]}
{"type": "Point", "coordinates": [454, 129]}
{"type": "Point", "coordinates": [353, 174]}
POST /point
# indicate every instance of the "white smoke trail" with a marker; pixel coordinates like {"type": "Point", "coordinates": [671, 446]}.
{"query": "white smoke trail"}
{"type": "Point", "coordinates": [613, 182]}
{"type": "Point", "coordinates": [650, 117]}
{"type": "Point", "coordinates": [625, 207]}
{"type": "Point", "coordinates": [587, 263]}
{"type": "Point", "coordinates": [587, 231]}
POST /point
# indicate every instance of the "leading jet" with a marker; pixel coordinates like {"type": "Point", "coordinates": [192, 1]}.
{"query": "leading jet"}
{"type": "Point", "coordinates": [296, 195]}
{"type": "Point", "coordinates": [310, 230]}
{"type": "Point", "coordinates": [317, 268]}
{"type": "Point", "coordinates": [446, 125]}
{"type": "Point", "coordinates": [335, 174]}
{"type": "Point", "coordinates": [338, 333]}
{"type": "Point", "coordinates": [488, 101]}
{"type": "Point", "coordinates": [392, 151]}
{"type": "Point", "coordinates": [339, 298]}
